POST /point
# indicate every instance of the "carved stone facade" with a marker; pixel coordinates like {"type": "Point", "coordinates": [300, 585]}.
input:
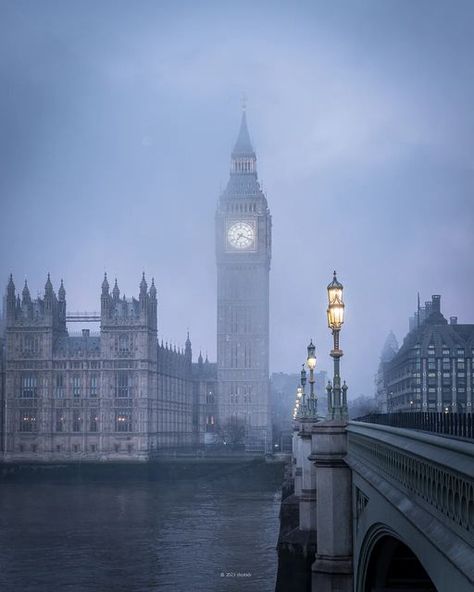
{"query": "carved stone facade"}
{"type": "Point", "coordinates": [114, 396]}
{"type": "Point", "coordinates": [243, 251]}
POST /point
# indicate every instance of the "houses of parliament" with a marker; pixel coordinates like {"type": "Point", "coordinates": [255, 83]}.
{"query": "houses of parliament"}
{"type": "Point", "coordinates": [123, 394]}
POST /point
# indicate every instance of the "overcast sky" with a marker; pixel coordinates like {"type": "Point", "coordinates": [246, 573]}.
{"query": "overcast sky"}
{"type": "Point", "coordinates": [116, 124]}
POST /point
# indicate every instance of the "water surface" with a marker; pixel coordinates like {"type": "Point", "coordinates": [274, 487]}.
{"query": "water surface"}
{"type": "Point", "coordinates": [206, 534]}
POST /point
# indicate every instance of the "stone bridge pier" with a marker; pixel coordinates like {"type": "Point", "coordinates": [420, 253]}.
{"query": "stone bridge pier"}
{"type": "Point", "coordinates": [332, 568]}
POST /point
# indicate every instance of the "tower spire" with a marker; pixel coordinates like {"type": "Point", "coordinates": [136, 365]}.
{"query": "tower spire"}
{"type": "Point", "coordinates": [243, 145]}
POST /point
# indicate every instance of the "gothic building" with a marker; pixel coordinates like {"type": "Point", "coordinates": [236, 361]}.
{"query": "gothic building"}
{"type": "Point", "coordinates": [433, 369]}
{"type": "Point", "coordinates": [117, 395]}
{"type": "Point", "coordinates": [243, 252]}
{"type": "Point", "coordinates": [120, 394]}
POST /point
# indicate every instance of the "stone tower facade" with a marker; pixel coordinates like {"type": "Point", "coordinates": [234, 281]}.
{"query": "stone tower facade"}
{"type": "Point", "coordinates": [128, 351]}
{"type": "Point", "coordinates": [243, 252]}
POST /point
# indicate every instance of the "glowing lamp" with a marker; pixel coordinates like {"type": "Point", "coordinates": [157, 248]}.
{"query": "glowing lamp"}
{"type": "Point", "coordinates": [335, 305]}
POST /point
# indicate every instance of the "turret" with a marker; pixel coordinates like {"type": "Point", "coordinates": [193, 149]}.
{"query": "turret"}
{"type": "Point", "coordinates": [153, 289]}
{"type": "Point", "coordinates": [61, 292]}
{"type": "Point", "coordinates": [10, 299]}
{"type": "Point", "coordinates": [188, 353]}
{"type": "Point", "coordinates": [105, 298]}
{"type": "Point", "coordinates": [48, 296]}
{"type": "Point", "coordinates": [26, 297]}
{"type": "Point", "coordinates": [62, 303]}
{"type": "Point", "coordinates": [116, 291]}
{"type": "Point", "coordinates": [143, 296]}
{"type": "Point", "coordinates": [105, 285]}
{"type": "Point", "coordinates": [26, 304]}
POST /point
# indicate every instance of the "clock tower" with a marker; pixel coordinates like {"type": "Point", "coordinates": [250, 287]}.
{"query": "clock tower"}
{"type": "Point", "coordinates": [243, 252]}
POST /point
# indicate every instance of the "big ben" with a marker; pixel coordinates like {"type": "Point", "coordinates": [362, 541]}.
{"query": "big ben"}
{"type": "Point", "coordinates": [243, 252]}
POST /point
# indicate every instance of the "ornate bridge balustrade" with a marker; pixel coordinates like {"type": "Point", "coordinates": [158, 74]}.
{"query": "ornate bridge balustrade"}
{"type": "Point", "coordinates": [460, 425]}
{"type": "Point", "coordinates": [414, 490]}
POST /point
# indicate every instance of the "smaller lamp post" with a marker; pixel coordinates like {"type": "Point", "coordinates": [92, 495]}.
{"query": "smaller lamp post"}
{"type": "Point", "coordinates": [303, 405]}
{"type": "Point", "coordinates": [337, 396]}
{"type": "Point", "coordinates": [311, 363]}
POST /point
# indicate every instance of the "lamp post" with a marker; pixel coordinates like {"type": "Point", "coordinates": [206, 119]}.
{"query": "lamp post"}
{"type": "Point", "coordinates": [297, 409]}
{"type": "Point", "coordinates": [311, 363]}
{"type": "Point", "coordinates": [337, 395]}
{"type": "Point", "coordinates": [303, 405]}
{"type": "Point", "coordinates": [299, 402]}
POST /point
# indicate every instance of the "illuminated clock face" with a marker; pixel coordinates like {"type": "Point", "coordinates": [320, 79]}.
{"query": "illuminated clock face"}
{"type": "Point", "coordinates": [241, 235]}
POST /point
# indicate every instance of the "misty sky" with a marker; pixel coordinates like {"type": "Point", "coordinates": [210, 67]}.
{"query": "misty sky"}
{"type": "Point", "coordinates": [116, 124]}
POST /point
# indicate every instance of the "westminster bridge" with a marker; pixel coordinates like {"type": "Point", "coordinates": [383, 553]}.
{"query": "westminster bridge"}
{"type": "Point", "coordinates": [373, 507]}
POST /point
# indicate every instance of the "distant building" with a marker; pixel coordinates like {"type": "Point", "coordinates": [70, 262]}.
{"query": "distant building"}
{"type": "Point", "coordinates": [117, 395]}
{"type": "Point", "coordinates": [389, 350]}
{"type": "Point", "coordinates": [433, 369]}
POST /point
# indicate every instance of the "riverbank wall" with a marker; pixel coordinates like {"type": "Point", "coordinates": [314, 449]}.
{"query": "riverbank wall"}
{"type": "Point", "coordinates": [296, 548]}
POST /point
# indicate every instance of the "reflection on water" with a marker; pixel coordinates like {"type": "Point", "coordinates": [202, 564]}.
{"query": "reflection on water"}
{"type": "Point", "coordinates": [130, 536]}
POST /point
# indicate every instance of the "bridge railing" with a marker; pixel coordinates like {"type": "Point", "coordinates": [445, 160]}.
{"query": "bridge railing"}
{"type": "Point", "coordinates": [460, 425]}
{"type": "Point", "coordinates": [428, 478]}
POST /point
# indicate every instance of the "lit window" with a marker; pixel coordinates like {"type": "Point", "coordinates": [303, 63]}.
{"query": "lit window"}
{"type": "Point", "coordinates": [59, 420]}
{"type": "Point", "coordinates": [123, 420]}
{"type": "Point", "coordinates": [76, 420]}
{"type": "Point", "coordinates": [28, 420]}
{"type": "Point", "coordinates": [93, 420]}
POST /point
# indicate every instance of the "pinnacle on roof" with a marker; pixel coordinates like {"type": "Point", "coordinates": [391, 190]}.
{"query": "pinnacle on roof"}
{"type": "Point", "coordinates": [105, 284]}
{"type": "Point", "coordinates": [116, 291]}
{"type": "Point", "coordinates": [61, 291]}
{"type": "Point", "coordinates": [153, 288]}
{"type": "Point", "coordinates": [243, 146]}
{"type": "Point", "coordinates": [143, 284]}
{"type": "Point", "coordinates": [26, 291]}
{"type": "Point", "coordinates": [48, 288]}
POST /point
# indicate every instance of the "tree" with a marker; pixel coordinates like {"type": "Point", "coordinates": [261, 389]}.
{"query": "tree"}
{"type": "Point", "coordinates": [361, 405]}
{"type": "Point", "coordinates": [233, 432]}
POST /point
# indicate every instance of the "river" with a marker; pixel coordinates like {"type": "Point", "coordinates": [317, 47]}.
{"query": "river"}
{"type": "Point", "coordinates": [203, 532]}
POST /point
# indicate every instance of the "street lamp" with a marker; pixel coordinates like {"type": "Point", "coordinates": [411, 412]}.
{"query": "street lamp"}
{"type": "Point", "coordinates": [311, 363]}
{"type": "Point", "coordinates": [337, 396]}
{"type": "Point", "coordinates": [298, 402]}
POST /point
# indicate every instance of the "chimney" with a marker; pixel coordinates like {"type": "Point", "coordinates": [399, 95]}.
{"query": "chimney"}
{"type": "Point", "coordinates": [86, 333]}
{"type": "Point", "coordinates": [453, 320]}
{"type": "Point", "coordinates": [436, 303]}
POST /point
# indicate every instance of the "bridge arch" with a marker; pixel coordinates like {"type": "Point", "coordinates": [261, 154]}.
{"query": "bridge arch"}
{"type": "Point", "coordinates": [388, 563]}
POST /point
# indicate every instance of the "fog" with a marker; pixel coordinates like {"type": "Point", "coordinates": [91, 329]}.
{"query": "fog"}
{"type": "Point", "coordinates": [117, 121]}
